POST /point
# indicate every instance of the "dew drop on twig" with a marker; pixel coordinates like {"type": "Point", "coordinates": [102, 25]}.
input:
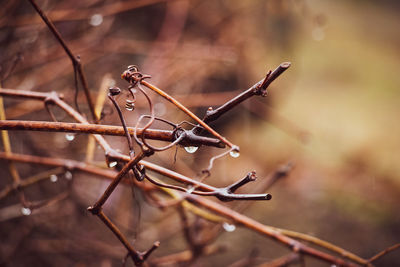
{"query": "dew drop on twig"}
{"type": "Point", "coordinates": [26, 211]}
{"type": "Point", "coordinates": [190, 190]}
{"type": "Point", "coordinates": [191, 149]}
{"type": "Point", "coordinates": [70, 136]}
{"type": "Point", "coordinates": [112, 164]}
{"type": "Point", "coordinates": [68, 175]}
{"type": "Point", "coordinates": [234, 154]}
{"type": "Point", "coordinates": [228, 227]}
{"type": "Point", "coordinates": [96, 20]}
{"type": "Point", "coordinates": [53, 178]}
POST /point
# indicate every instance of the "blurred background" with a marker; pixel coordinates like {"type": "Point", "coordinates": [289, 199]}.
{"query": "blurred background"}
{"type": "Point", "coordinates": [334, 114]}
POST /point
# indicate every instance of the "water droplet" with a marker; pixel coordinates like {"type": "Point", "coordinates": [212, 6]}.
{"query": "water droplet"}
{"type": "Point", "coordinates": [229, 227]}
{"type": "Point", "coordinates": [68, 175]}
{"type": "Point", "coordinates": [234, 154]}
{"type": "Point", "coordinates": [112, 164]}
{"type": "Point", "coordinates": [53, 178]}
{"type": "Point", "coordinates": [26, 211]}
{"type": "Point", "coordinates": [191, 149]}
{"type": "Point", "coordinates": [130, 105]}
{"type": "Point", "coordinates": [96, 20]}
{"type": "Point", "coordinates": [70, 136]}
{"type": "Point", "coordinates": [190, 190]}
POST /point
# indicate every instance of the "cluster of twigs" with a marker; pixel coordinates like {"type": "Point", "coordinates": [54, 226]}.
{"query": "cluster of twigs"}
{"type": "Point", "coordinates": [134, 170]}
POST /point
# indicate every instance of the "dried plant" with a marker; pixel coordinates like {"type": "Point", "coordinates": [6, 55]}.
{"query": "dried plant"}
{"type": "Point", "coordinates": [180, 194]}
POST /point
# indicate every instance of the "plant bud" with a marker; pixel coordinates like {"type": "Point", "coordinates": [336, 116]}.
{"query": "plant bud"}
{"type": "Point", "coordinates": [114, 91]}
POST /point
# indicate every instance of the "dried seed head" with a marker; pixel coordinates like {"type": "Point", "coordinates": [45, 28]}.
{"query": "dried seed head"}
{"type": "Point", "coordinates": [114, 91]}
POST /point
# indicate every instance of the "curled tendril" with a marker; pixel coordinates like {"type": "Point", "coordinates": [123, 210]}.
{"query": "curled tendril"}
{"type": "Point", "coordinates": [179, 134]}
{"type": "Point", "coordinates": [134, 77]}
{"type": "Point", "coordinates": [207, 172]}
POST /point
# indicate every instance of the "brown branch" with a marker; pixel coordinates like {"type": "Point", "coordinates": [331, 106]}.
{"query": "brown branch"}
{"type": "Point", "coordinates": [282, 261]}
{"type": "Point", "coordinates": [27, 94]}
{"type": "Point", "coordinates": [84, 13]}
{"type": "Point", "coordinates": [240, 219]}
{"type": "Point", "coordinates": [54, 98]}
{"type": "Point", "coordinates": [133, 78]}
{"type": "Point", "coordinates": [223, 194]}
{"type": "Point", "coordinates": [266, 231]}
{"type": "Point", "coordinates": [75, 60]}
{"type": "Point", "coordinates": [227, 193]}
{"type": "Point", "coordinates": [188, 139]}
{"type": "Point", "coordinates": [68, 164]}
{"type": "Point", "coordinates": [185, 256]}
{"type": "Point", "coordinates": [260, 88]}
{"type": "Point", "coordinates": [29, 181]}
{"type": "Point", "coordinates": [96, 208]}
{"type": "Point", "coordinates": [137, 257]}
{"type": "Point", "coordinates": [384, 252]}
{"type": "Point", "coordinates": [113, 91]}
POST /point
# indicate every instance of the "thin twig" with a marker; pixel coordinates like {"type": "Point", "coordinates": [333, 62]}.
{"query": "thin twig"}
{"type": "Point", "coordinates": [96, 208]}
{"type": "Point", "coordinates": [30, 181]}
{"type": "Point", "coordinates": [264, 230]}
{"type": "Point", "coordinates": [283, 261]}
{"type": "Point", "coordinates": [113, 92]}
{"type": "Point", "coordinates": [257, 89]}
{"type": "Point", "coordinates": [132, 78]}
{"type": "Point", "coordinates": [101, 97]}
{"type": "Point", "coordinates": [137, 257]}
{"type": "Point", "coordinates": [75, 60]}
{"type": "Point", "coordinates": [260, 88]}
{"type": "Point", "coordinates": [275, 233]}
{"type": "Point", "coordinates": [184, 137]}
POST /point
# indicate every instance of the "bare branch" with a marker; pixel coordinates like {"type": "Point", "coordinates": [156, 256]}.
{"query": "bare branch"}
{"type": "Point", "coordinates": [76, 62]}
{"type": "Point", "coordinates": [384, 252]}
{"type": "Point", "coordinates": [184, 136]}
{"type": "Point", "coordinates": [136, 77]}
{"type": "Point", "coordinates": [260, 88]}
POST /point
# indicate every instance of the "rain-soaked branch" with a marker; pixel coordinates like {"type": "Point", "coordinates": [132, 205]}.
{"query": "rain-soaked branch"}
{"type": "Point", "coordinates": [223, 194]}
{"type": "Point", "coordinates": [96, 209]}
{"type": "Point", "coordinates": [188, 139]}
{"type": "Point", "coordinates": [253, 225]}
{"type": "Point", "coordinates": [278, 234]}
{"type": "Point", "coordinates": [286, 260]}
{"type": "Point", "coordinates": [384, 252]}
{"type": "Point", "coordinates": [15, 187]}
{"type": "Point", "coordinates": [133, 76]}
{"type": "Point", "coordinates": [76, 62]}
{"type": "Point", "coordinates": [160, 169]}
{"type": "Point", "coordinates": [114, 91]}
{"type": "Point", "coordinates": [137, 257]}
{"type": "Point", "coordinates": [260, 88]}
